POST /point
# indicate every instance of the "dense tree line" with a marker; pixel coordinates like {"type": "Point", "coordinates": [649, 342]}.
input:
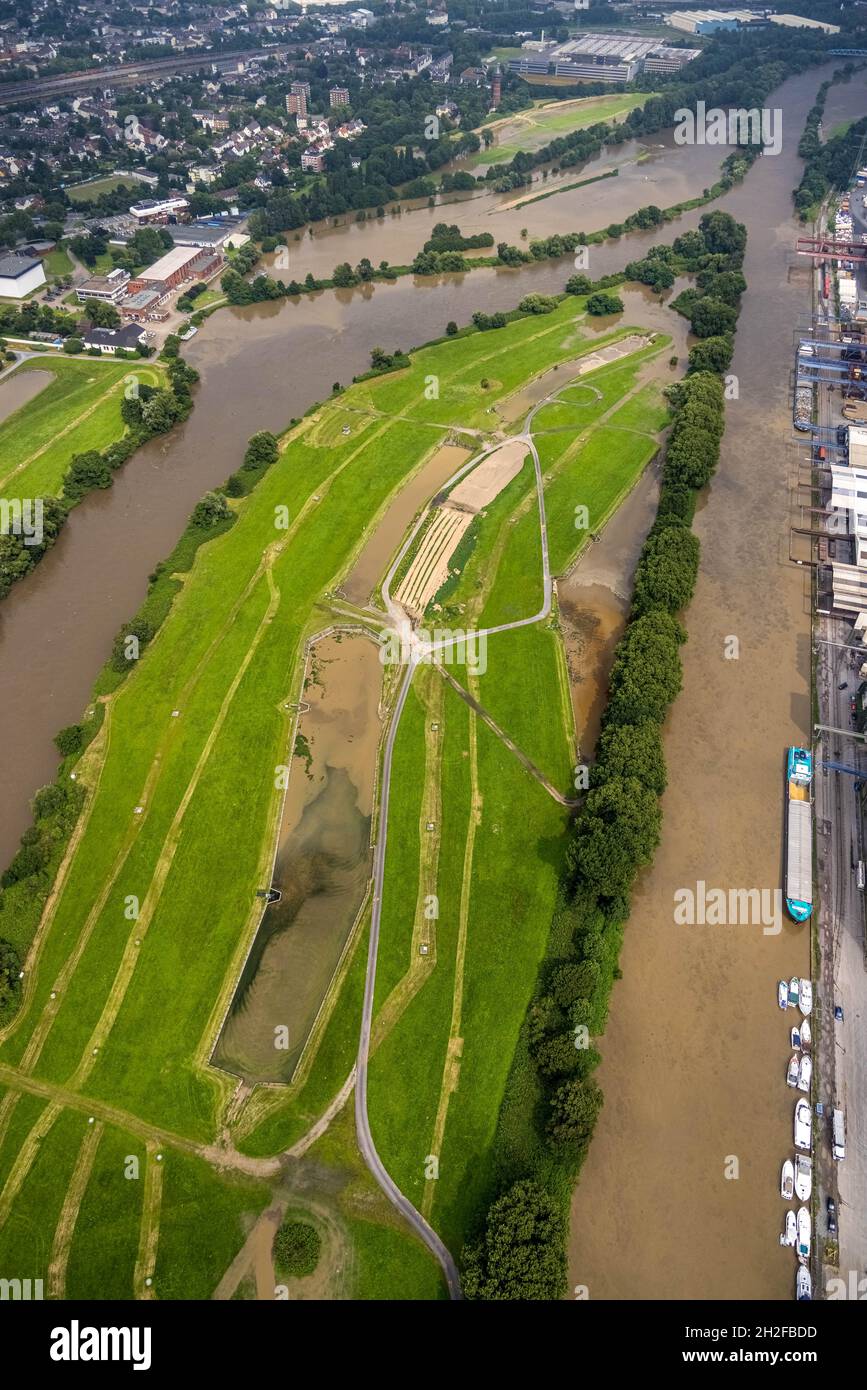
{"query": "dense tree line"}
{"type": "Point", "coordinates": [829, 165]}
{"type": "Point", "coordinates": [519, 1250]}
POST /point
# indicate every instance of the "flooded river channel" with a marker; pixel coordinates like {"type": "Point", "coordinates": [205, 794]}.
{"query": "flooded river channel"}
{"type": "Point", "coordinates": [679, 1197]}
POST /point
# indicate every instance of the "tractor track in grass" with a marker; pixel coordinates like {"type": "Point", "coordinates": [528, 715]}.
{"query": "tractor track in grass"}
{"type": "Point", "coordinates": [65, 1228]}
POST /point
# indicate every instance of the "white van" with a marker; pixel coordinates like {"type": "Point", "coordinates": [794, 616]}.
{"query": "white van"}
{"type": "Point", "coordinates": [838, 1135]}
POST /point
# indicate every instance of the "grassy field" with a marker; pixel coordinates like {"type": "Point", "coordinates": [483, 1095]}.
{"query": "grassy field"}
{"type": "Point", "coordinates": [138, 953]}
{"type": "Point", "coordinates": [530, 130]}
{"type": "Point", "coordinates": [57, 262]}
{"type": "Point", "coordinates": [78, 410]}
{"type": "Point", "coordinates": [86, 192]}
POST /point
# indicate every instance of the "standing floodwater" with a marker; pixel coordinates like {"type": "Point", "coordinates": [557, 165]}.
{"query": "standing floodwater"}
{"type": "Point", "coordinates": [322, 867]}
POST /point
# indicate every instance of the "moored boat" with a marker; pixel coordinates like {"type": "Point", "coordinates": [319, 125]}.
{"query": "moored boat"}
{"type": "Point", "coordinates": [794, 991]}
{"type": "Point", "coordinates": [803, 1126]}
{"type": "Point", "coordinates": [792, 1071]}
{"type": "Point", "coordinates": [804, 1285]}
{"type": "Point", "coordinates": [783, 994]}
{"type": "Point", "coordinates": [787, 1180]}
{"type": "Point", "coordinates": [796, 1039]}
{"type": "Point", "coordinates": [804, 1233]}
{"type": "Point", "coordinates": [805, 1073]}
{"type": "Point", "coordinates": [806, 1034]}
{"type": "Point", "coordinates": [799, 833]}
{"type": "Point", "coordinates": [790, 1234]}
{"type": "Point", "coordinates": [805, 997]}
{"type": "Point", "coordinates": [803, 1177]}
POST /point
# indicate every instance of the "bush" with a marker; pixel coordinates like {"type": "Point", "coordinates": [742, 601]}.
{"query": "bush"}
{"type": "Point", "coordinates": [297, 1248]}
{"type": "Point", "coordinates": [70, 740]}
{"type": "Point", "coordinates": [10, 984]}
{"type": "Point", "coordinates": [574, 1108]}
{"type": "Point", "coordinates": [129, 644]}
{"type": "Point", "coordinates": [521, 1255]}
{"type": "Point", "coordinates": [538, 304]}
{"type": "Point", "coordinates": [210, 511]}
{"type": "Point", "coordinates": [86, 473]}
{"type": "Point", "coordinates": [261, 451]}
{"type": "Point", "coordinates": [602, 303]}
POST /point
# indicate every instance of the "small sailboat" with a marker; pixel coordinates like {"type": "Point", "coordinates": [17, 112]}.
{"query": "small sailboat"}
{"type": "Point", "coordinates": [792, 1071]}
{"type": "Point", "coordinates": [794, 991]}
{"type": "Point", "coordinates": [805, 1073]}
{"type": "Point", "coordinates": [804, 1285]}
{"type": "Point", "coordinates": [806, 1034]}
{"type": "Point", "coordinates": [790, 1234]}
{"type": "Point", "coordinates": [803, 1126]}
{"type": "Point", "coordinates": [796, 1039]}
{"type": "Point", "coordinates": [803, 1177]}
{"type": "Point", "coordinates": [787, 1180]}
{"type": "Point", "coordinates": [804, 1233]}
{"type": "Point", "coordinates": [783, 994]}
{"type": "Point", "coordinates": [806, 997]}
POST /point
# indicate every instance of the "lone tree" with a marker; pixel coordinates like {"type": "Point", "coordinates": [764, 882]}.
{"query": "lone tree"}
{"type": "Point", "coordinates": [262, 448]}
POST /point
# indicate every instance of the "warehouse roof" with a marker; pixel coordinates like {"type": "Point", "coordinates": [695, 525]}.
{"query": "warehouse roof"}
{"type": "Point", "coordinates": [12, 266]}
{"type": "Point", "coordinates": [170, 263]}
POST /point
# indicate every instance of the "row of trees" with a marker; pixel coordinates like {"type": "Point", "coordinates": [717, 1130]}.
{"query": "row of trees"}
{"type": "Point", "coordinates": [520, 1250]}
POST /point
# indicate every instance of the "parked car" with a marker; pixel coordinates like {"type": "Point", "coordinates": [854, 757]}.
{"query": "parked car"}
{"type": "Point", "coordinates": [832, 1216]}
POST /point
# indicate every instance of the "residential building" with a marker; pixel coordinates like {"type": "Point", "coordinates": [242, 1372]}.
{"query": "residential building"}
{"type": "Point", "coordinates": [110, 341]}
{"type": "Point", "coordinates": [338, 96]}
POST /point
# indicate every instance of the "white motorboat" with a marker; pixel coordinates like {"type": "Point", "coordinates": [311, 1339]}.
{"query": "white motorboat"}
{"type": "Point", "coordinates": [805, 1073]}
{"type": "Point", "coordinates": [804, 1233]}
{"type": "Point", "coordinates": [804, 1285]}
{"type": "Point", "coordinates": [794, 991]}
{"type": "Point", "coordinates": [783, 994]}
{"type": "Point", "coordinates": [803, 1177]}
{"type": "Point", "coordinates": [787, 1180]}
{"type": "Point", "coordinates": [806, 1034]}
{"type": "Point", "coordinates": [803, 1126]}
{"type": "Point", "coordinates": [796, 1039]}
{"type": "Point", "coordinates": [790, 1234]}
{"type": "Point", "coordinates": [805, 995]}
{"type": "Point", "coordinates": [792, 1071]}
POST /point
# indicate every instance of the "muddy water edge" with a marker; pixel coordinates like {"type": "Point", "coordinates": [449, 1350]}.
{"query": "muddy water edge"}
{"type": "Point", "coordinates": [695, 1052]}
{"type": "Point", "coordinates": [322, 864]}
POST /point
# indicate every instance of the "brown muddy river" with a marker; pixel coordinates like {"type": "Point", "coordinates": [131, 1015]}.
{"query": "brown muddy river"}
{"type": "Point", "coordinates": [694, 1056]}
{"type": "Point", "coordinates": [666, 174]}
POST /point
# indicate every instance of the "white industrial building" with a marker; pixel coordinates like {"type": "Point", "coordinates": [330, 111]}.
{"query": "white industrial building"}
{"type": "Point", "coordinates": [600, 58]}
{"type": "Point", "coordinates": [19, 275]}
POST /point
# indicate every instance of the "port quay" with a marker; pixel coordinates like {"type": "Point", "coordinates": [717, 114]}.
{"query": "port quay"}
{"type": "Point", "coordinates": [829, 534]}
